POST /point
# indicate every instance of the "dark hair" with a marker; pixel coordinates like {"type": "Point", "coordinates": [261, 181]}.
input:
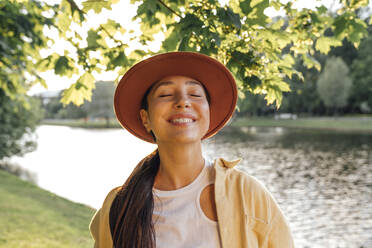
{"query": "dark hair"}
{"type": "Point", "coordinates": [131, 211]}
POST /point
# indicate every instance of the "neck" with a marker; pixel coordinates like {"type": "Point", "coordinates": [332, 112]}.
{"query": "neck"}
{"type": "Point", "coordinates": [179, 165]}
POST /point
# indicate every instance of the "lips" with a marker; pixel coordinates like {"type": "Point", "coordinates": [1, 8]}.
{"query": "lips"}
{"type": "Point", "coordinates": [182, 119]}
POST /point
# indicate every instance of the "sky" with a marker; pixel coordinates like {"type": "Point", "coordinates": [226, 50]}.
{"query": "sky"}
{"type": "Point", "coordinates": [122, 13]}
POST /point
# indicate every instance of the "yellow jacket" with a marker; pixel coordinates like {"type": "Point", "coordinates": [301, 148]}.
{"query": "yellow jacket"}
{"type": "Point", "coordinates": [248, 216]}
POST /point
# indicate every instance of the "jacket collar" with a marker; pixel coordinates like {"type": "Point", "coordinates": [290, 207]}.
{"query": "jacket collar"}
{"type": "Point", "coordinates": [226, 164]}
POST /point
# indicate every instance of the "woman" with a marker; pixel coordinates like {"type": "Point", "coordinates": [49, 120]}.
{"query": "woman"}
{"type": "Point", "coordinates": [174, 197]}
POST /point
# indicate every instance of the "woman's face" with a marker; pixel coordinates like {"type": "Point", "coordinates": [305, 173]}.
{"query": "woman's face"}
{"type": "Point", "coordinates": [178, 110]}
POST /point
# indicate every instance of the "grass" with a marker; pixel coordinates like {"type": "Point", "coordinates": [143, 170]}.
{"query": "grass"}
{"type": "Point", "coordinates": [32, 217]}
{"type": "Point", "coordinates": [325, 123]}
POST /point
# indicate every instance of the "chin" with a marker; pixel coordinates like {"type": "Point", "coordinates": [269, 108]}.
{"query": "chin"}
{"type": "Point", "coordinates": [184, 139]}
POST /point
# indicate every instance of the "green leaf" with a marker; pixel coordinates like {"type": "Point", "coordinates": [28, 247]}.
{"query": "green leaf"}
{"type": "Point", "coordinates": [79, 91]}
{"type": "Point", "coordinates": [171, 41]}
{"type": "Point", "coordinates": [96, 5]}
{"type": "Point", "coordinates": [276, 5]}
{"type": "Point", "coordinates": [253, 81]}
{"type": "Point", "coordinates": [190, 23]}
{"type": "Point", "coordinates": [216, 38]}
{"type": "Point", "coordinates": [324, 44]}
{"type": "Point", "coordinates": [359, 4]}
{"type": "Point", "coordinates": [92, 39]}
{"type": "Point", "coordinates": [184, 44]}
{"type": "Point", "coordinates": [358, 30]}
{"type": "Point", "coordinates": [111, 26]}
{"type": "Point", "coordinates": [288, 60]}
{"type": "Point", "coordinates": [278, 24]}
{"type": "Point", "coordinates": [228, 17]}
{"type": "Point", "coordinates": [47, 63]}
{"type": "Point", "coordinates": [340, 26]}
{"type": "Point", "coordinates": [137, 55]}
{"type": "Point", "coordinates": [61, 66]}
{"type": "Point", "coordinates": [257, 15]}
{"type": "Point", "coordinates": [283, 86]}
{"type": "Point", "coordinates": [245, 6]}
{"type": "Point", "coordinates": [64, 21]}
{"type": "Point", "coordinates": [247, 59]}
{"type": "Point", "coordinates": [234, 18]}
{"type": "Point", "coordinates": [119, 61]}
{"type": "Point", "coordinates": [274, 95]}
{"type": "Point", "coordinates": [322, 9]}
{"type": "Point", "coordinates": [311, 62]}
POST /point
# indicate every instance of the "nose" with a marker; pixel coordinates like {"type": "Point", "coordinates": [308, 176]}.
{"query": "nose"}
{"type": "Point", "coordinates": [182, 101]}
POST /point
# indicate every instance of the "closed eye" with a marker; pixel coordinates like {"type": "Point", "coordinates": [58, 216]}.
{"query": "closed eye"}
{"type": "Point", "coordinates": [165, 95]}
{"type": "Point", "coordinates": [195, 95]}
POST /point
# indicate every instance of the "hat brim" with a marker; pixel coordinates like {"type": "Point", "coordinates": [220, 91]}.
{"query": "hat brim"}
{"type": "Point", "coordinates": [215, 77]}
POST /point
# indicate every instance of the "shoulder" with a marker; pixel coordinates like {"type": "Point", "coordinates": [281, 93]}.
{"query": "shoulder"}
{"type": "Point", "coordinates": [105, 209]}
{"type": "Point", "coordinates": [235, 175]}
{"type": "Point", "coordinates": [252, 192]}
{"type": "Point", "coordinates": [111, 196]}
{"type": "Point", "coordinates": [99, 225]}
{"type": "Point", "coordinates": [256, 202]}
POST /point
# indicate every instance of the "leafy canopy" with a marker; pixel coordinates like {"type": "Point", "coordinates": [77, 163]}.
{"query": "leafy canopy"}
{"type": "Point", "coordinates": [259, 50]}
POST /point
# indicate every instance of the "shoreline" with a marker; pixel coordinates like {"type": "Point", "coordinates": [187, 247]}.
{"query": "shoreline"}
{"type": "Point", "coordinates": [341, 124]}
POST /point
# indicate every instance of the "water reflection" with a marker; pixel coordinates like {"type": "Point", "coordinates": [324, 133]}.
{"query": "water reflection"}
{"type": "Point", "coordinates": [334, 141]}
{"type": "Point", "coordinates": [322, 180]}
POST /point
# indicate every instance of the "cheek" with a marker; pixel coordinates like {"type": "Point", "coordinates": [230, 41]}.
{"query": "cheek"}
{"type": "Point", "coordinates": [156, 109]}
{"type": "Point", "coordinates": [206, 113]}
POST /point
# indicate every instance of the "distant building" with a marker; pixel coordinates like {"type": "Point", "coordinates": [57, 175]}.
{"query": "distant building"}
{"type": "Point", "coordinates": [47, 96]}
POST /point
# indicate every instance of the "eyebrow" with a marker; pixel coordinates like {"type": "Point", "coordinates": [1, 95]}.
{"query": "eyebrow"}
{"type": "Point", "coordinates": [190, 82]}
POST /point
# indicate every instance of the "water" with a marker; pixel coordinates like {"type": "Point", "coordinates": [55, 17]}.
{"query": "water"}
{"type": "Point", "coordinates": [321, 180]}
{"type": "Point", "coordinates": [83, 165]}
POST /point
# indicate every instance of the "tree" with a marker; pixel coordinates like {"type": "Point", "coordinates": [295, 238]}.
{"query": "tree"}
{"type": "Point", "coordinates": [71, 111]}
{"type": "Point", "coordinates": [17, 124]}
{"type": "Point", "coordinates": [239, 34]}
{"type": "Point", "coordinates": [361, 96]}
{"type": "Point", "coordinates": [21, 39]}
{"type": "Point", "coordinates": [52, 106]}
{"type": "Point", "coordinates": [102, 101]}
{"type": "Point", "coordinates": [253, 105]}
{"type": "Point", "coordinates": [334, 83]}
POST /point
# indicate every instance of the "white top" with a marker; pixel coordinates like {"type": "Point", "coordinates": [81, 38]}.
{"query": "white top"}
{"type": "Point", "coordinates": [178, 218]}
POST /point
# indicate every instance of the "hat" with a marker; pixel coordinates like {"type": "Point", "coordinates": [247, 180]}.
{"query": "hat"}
{"type": "Point", "coordinates": [214, 76]}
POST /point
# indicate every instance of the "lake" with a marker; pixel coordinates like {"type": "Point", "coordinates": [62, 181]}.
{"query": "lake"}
{"type": "Point", "coordinates": [322, 180]}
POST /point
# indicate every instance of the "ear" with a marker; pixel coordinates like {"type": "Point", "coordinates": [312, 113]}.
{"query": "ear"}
{"type": "Point", "coordinates": [145, 119]}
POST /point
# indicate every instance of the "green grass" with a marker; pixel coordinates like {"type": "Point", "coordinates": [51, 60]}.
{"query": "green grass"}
{"type": "Point", "coordinates": [325, 123]}
{"type": "Point", "coordinates": [32, 217]}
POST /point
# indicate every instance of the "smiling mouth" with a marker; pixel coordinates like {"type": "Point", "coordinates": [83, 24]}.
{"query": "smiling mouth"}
{"type": "Point", "coordinates": [181, 120]}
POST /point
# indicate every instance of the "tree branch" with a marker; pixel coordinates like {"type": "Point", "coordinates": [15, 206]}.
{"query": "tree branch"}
{"type": "Point", "coordinates": [171, 10]}
{"type": "Point", "coordinates": [74, 6]}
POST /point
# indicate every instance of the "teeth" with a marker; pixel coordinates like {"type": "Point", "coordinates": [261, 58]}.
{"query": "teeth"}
{"type": "Point", "coordinates": [182, 120]}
